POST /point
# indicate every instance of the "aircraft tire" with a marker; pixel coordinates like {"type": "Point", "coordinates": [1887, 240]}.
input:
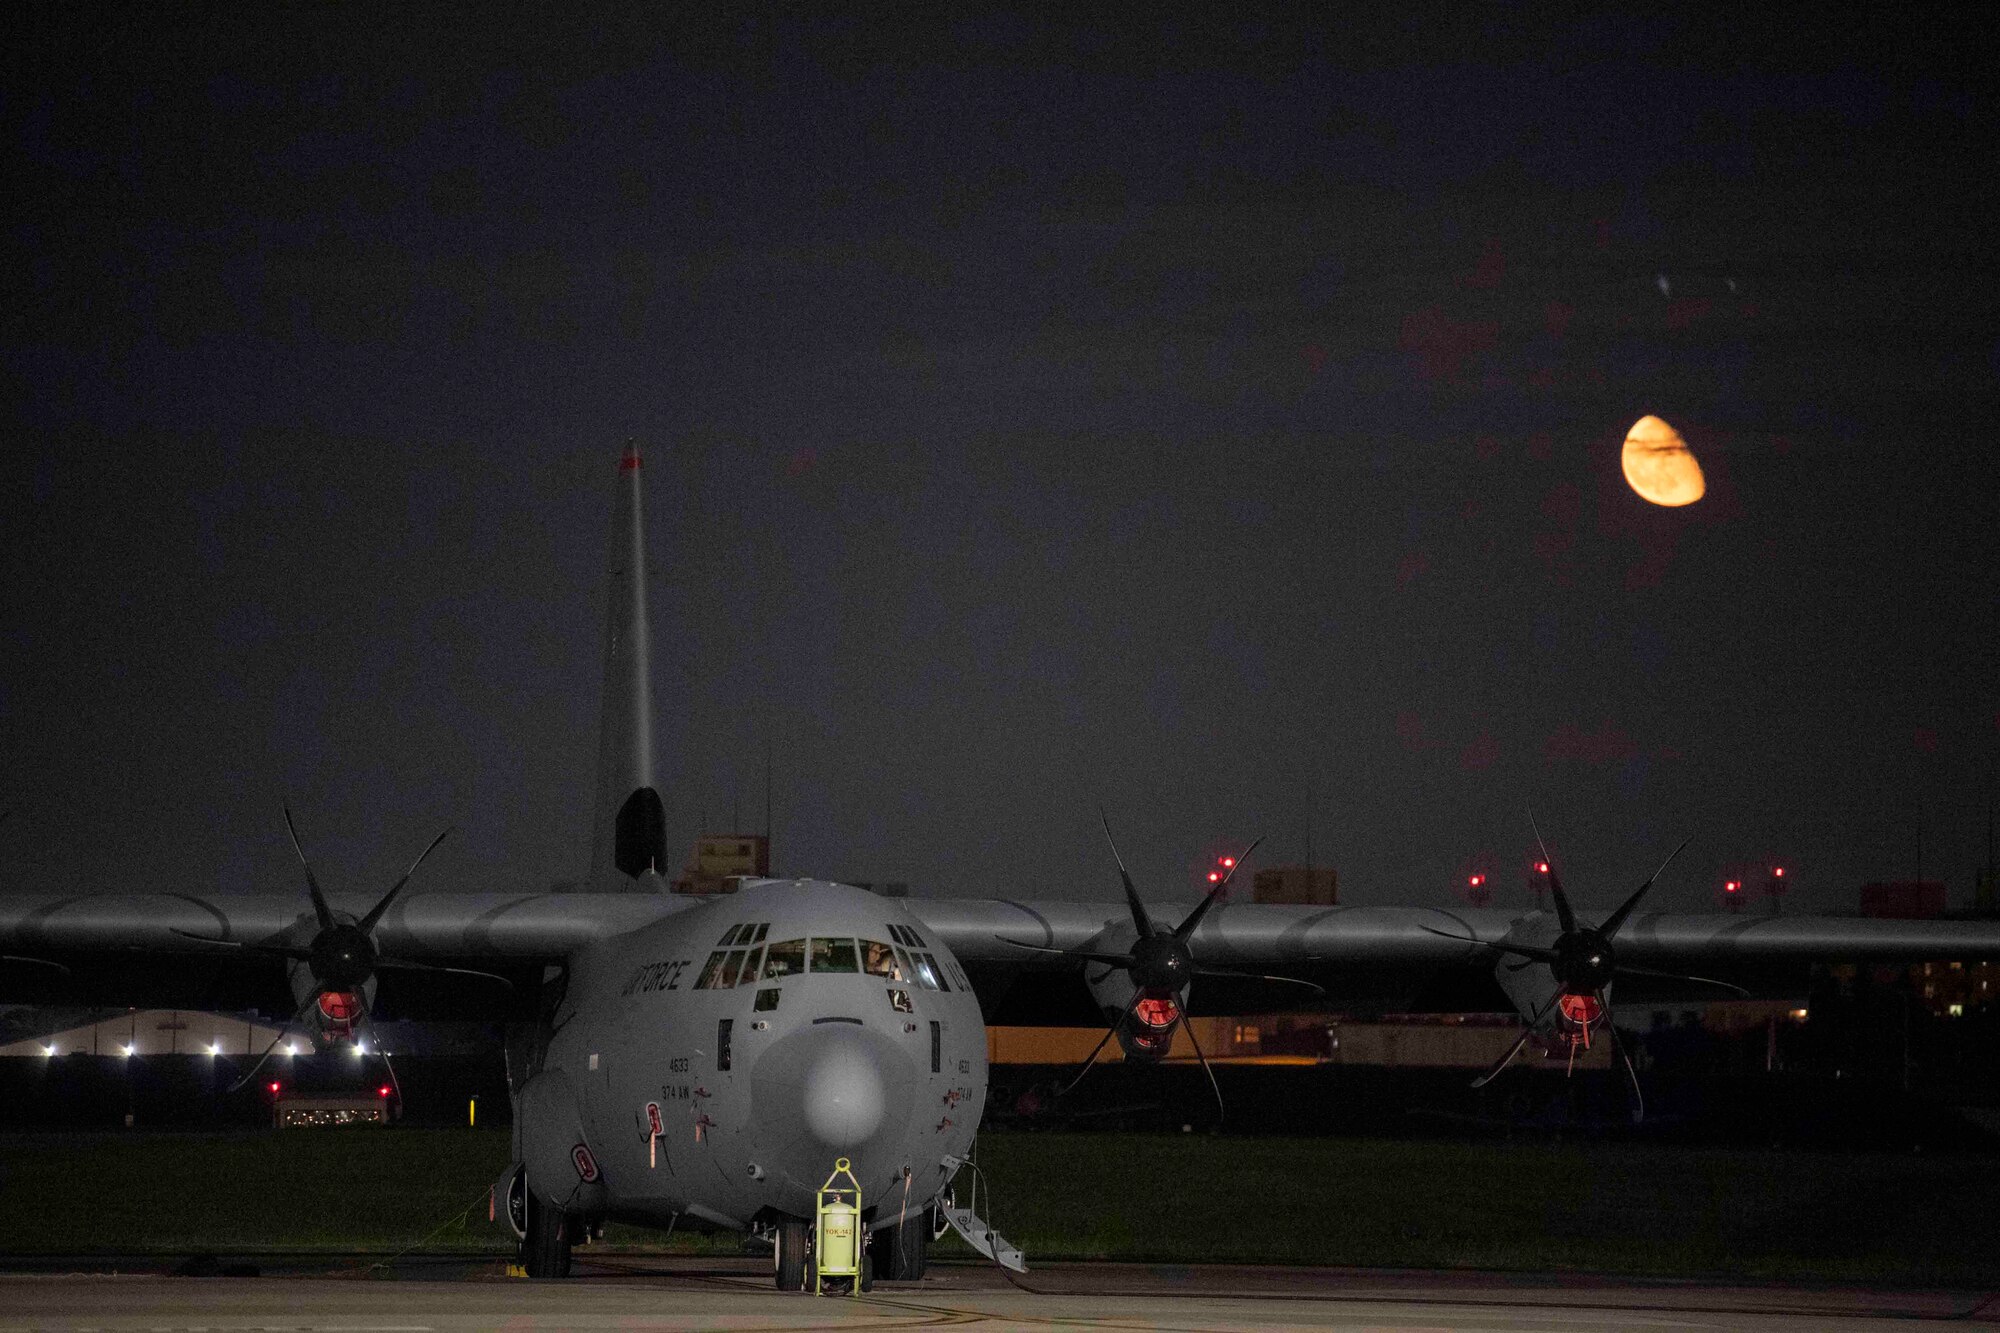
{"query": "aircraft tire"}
{"type": "Point", "coordinates": [545, 1250]}
{"type": "Point", "coordinates": [795, 1265]}
{"type": "Point", "coordinates": [901, 1253]}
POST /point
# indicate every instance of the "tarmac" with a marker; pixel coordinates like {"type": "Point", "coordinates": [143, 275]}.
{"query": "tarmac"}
{"type": "Point", "coordinates": [352, 1295]}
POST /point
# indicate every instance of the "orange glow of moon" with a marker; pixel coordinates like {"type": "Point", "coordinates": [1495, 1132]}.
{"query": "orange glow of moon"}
{"type": "Point", "coordinates": [1659, 466]}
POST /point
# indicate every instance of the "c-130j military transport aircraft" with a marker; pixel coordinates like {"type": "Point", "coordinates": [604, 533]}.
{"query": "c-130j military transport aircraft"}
{"type": "Point", "coordinates": [676, 1059]}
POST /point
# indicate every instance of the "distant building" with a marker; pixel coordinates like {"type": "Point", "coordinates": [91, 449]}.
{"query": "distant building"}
{"type": "Point", "coordinates": [722, 860]}
{"type": "Point", "coordinates": [1903, 900]}
{"type": "Point", "coordinates": [306, 1111]}
{"type": "Point", "coordinates": [1951, 990]}
{"type": "Point", "coordinates": [1316, 886]}
{"type": "Point", "coordinates": [145, 1032]}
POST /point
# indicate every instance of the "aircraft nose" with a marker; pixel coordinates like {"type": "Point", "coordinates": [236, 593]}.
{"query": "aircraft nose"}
{"type": "Point", "coordinates": [835, 1088]}
{"type": "Point", "coordinates": [843, 1094]}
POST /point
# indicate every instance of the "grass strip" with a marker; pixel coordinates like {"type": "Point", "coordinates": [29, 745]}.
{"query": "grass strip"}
{"type": "Point", "coordinates": [1613, 1208]}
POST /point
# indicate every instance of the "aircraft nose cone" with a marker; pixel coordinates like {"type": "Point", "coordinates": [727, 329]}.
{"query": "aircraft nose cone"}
{"type": "Point", "coordinates": [835, 1088]}
{"type": "Point", "coordinates": [844, 1098]}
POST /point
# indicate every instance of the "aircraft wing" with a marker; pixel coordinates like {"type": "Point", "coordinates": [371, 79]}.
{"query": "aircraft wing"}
{"type": "Point", "coordinates": [190, 950]}
{"type": "Point", "coordinates": [1408, 959]}
{"type": "Point", "coordinates": [199, 951]}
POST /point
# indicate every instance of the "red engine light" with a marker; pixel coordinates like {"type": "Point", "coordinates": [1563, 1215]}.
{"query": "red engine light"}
{"type": "Point", "coordinates": [1541, 867]}
{"type": "Point", "coordinates": [1227, 863]}
{"type": "Point", "coordinates": [1733, 886]}
{"type": "Point", "coordinates": [1582, 1010]}
{"type": "Point", "coordinates": [382, 1091]}
{"type": "Point", "coordinates": [1476, 880]}
{"type": "Point", "coordinates": [337, 1006]}
{"type": "Point", "coordinates": [274, 1088]}
{"type": "Point", "coordinates": [1157, 1011]}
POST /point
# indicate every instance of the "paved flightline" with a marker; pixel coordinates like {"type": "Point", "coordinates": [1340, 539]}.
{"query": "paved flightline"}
{"type": "Point", "coordinates": [325, 1295]}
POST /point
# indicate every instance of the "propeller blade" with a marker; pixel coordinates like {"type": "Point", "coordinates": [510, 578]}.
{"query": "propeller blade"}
{"type": "Point", "coordinates": [367, 1027]}
{"type": "Point", "coordinates": [1139, 917]}
{"type": "Point", "coordinates": [375, 913]}
{"type": "Point", "coordinates": [1112, 959]}
{"type": "Point", "coordinates": [1515, 1049]}
{"type": "Point", "coordinates": [33, 962]}
{"type": "Point", "coordinates": [1186, 928]}
{"type": "Point", "coordinates": [1625, 971]}
{"type": "Point", "coordinates": [1617, 918]}
{"type": "Point", "coordinates": [1618, 1045]}
{"type": "Point", "coordinates": [281, 950]}
{"type": "Point", "coordinates": [1070, 1087]}
{"type": "Point", "coordinates": [397, 965]}
{"type": "Point", "coordinates": [1564, 916]}
{"type": "Point", "coordinates": [1220, 1111]}
{"type": "Point", "coordinates": [283, 1032]}
{"type": "Point", "coordinates": [320, 909]}
{"type": "Point", "coordinates": [1314, 987]}
{"type": "Point", "coordinates": [1534, 951]}
{"type": "Point", "coordinates": [1505, 1060]}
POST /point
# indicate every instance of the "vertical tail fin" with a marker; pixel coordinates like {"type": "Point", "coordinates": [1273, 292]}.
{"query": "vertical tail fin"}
{"type": "Point", "coordinates": [628, 835]}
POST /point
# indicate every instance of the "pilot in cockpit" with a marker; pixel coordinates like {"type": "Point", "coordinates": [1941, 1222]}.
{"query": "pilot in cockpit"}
{"type": "Point", "coordinates": [879, 960]}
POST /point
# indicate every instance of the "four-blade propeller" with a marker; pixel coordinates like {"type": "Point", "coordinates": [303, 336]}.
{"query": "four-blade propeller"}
{"type": "Point", "coordinates": [1160, 964]}
{"type": "Point", "coordinates": [1584, 962]}
{"type": "Point", "coordinates": [342, 955]}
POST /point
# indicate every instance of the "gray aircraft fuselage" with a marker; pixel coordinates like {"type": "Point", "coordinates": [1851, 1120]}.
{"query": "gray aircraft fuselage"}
{"type": "Point", "coordinates": [716, 1063]}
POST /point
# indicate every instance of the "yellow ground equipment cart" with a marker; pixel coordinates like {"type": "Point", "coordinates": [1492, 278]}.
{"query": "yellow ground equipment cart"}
{"type": "Point", "coordinates": [839, 1243]}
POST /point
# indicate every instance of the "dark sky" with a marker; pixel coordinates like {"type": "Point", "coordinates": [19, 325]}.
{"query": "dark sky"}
{"type": "Point", "coordinates": [1217, 422]}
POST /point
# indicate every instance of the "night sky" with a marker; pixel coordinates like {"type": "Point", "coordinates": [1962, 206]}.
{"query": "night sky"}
{"type": "Point", "coordinates": [1219, 423]}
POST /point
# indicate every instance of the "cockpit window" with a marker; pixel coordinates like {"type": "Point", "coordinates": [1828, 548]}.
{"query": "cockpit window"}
{"type": "Point", "coordinates": [786, 958]}
{"type": "Point", "coordinates": [927, 973]}
{"type": "Point", "coordinates": [751, 962]}
{"type": "Point", "coordinates": [879, 960]}
{"type": "Point", "coordinates": [758, 938]}
{"type": "Point", "coordinates": [712, 972]}
{"type": "Point", "coordinates": [834, 956]}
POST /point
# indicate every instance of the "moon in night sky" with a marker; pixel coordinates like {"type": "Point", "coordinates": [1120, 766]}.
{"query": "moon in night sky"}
{"type": "Point", "coordinates": [1659, 466]}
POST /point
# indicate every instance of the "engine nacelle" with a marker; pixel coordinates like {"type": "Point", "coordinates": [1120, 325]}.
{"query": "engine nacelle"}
{"type": "Point", "coordinates": [1147, 1034]}
{"type": "Point", "coordinates": [333, 1016]}
{"type": "Point", "coordinates": [1531, 987]}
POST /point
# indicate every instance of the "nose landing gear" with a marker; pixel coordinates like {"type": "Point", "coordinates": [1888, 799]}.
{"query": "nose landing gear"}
{"type": "Point", "coordinates": [902, 1252]}
{"type": "Point", "coordinates": [796, 1271]}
